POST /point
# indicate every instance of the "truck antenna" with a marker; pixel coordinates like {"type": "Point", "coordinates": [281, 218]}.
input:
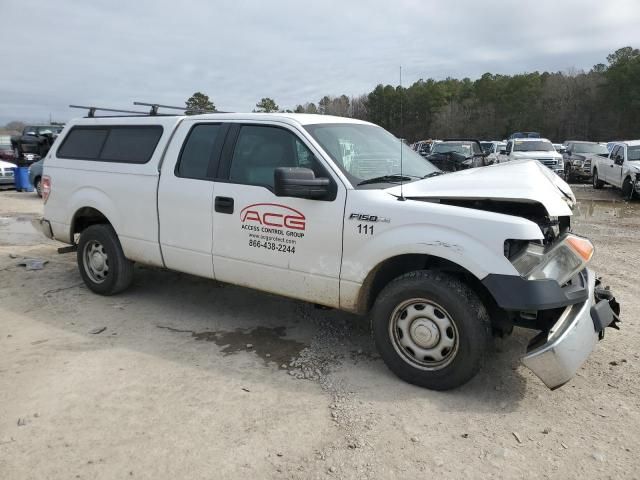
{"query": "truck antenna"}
{"type": "Point", "coordinates": [401, 197]}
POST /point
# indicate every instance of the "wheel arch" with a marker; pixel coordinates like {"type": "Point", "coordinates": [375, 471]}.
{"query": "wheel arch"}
{"type": "Point", "coordinates": [85, 217]}
{"type": "Point", "coordinates": [393, 267]}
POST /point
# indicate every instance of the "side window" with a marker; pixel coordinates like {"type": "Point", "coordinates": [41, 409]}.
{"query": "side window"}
{"type": "Point", "coordinates": [83, 143]}
{"type": "Point", "coordinates": [121, 144]}
{"type": "Point", "coordinates": [202, 146]}
{"type": "Point", "coordinates": [260, 150]}
{"type": "Point", "coordinates": [131, 144]}
{"type": "Point", "coordinates": [614, 152]}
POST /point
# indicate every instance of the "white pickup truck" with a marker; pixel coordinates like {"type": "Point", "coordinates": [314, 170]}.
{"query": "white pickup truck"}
{"type": "Point", "coordinates": [340, 213]}
{"type": "Point", "coordinates": [539, 149]}
{"type": "Point", "coordinates": [621, 168]}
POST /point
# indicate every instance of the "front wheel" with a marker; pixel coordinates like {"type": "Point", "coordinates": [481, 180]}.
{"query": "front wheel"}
{"type": "Point", "coordinates": [597, 183]}
{"type": "Point", "coordinates": [101, 261]}
{"type": "Point", "coordinates": [567, 174]}
{"type": "Point", "coordinates": [627, 189]}
{"type": "Point", "coordinates": [431, 329]}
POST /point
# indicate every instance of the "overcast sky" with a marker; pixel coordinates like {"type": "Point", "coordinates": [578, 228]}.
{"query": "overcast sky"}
{"type": "Point", "coordinates": [112, 52]}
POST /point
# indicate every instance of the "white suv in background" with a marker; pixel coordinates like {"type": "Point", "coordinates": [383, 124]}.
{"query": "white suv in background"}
{"type": "Point", "coordinates": [539, 149]}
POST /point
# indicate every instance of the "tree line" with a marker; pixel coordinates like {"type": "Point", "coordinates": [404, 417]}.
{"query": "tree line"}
{"type": "Point", "coordinates": [601, 104]}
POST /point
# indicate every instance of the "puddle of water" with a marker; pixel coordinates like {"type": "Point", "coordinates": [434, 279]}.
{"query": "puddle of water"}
{"type": "Point", "coordinates": [19, 231]}
{"type": "Point", "coordinates": [269, 344]}
{"type": "Point", "coordinates": [606, 209]}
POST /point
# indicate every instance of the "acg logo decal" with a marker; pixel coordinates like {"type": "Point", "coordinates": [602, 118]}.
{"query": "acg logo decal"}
{"type": "Point", "coordinates": [273, 215]}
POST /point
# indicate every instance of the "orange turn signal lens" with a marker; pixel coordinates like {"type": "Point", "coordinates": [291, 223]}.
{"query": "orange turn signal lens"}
{"type": "Point", "coordinates": [582, 246]}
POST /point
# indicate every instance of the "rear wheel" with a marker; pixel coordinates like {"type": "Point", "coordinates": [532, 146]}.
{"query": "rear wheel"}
{"type": "Point", "coordinates": [597, 183]}
{"type": "Point", "coordinates": [101, 261]}
{"type": "Point", "coordinates": [431, 329]}
{"type": "Point", "coordinates": [38, 186]}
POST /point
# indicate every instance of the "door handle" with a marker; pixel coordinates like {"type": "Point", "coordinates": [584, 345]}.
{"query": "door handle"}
{"type": "Point", "coordinates": [224, 204]}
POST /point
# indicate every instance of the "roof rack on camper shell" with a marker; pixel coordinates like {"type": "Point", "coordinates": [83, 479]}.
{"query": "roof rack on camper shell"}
{"type": "Point", "coordinates": [91, 110]}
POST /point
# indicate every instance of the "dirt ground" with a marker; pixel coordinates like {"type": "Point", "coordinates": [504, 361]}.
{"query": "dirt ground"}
{"type": "Point", "coordinates": [195, 379]}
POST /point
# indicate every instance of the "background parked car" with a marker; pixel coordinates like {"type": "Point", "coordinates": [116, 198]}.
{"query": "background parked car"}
{"type": "Point", "coordinates": [524, 135]}
{"type": "Point", "coordinates": [6, 173]}
{"type": "Point", "coordinates": [621, 168]}
{"type": "Point", "coordinates": [539, 149]}
{"type": "Point", "coordinates": [6, 151]}
{"type": "Point", "coordinates": [578, 158]}
{"type": "Point", "coordinates": [35, 176]}
{"type": "Point", "coordinates": [560, 147]}
{"type": "Point", "coordinates": [492, 149]}
{"type": "Point", "coordinates": [35, 141]}
{"type": "Point", "coordinates": [457, 154]}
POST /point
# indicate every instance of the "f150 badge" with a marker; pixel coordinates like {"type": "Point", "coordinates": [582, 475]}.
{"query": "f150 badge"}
{"type": "Point", "coordinates": [363, 217]}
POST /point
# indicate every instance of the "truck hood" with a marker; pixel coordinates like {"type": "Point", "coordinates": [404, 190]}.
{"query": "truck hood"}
{"type": "Point", "coordinates": [634, 166]}
{"type": "Point", "coordinates": [525, 181]}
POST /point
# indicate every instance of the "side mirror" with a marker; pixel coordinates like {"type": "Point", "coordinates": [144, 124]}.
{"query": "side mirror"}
{"type": "Point", "coordinates": [619, 160]}
{"type": "Point", "coordinates": [568, 152]}
{"type": "Point", "coordinates": [503, 152]}
{"type": "Point", "coordinates": [299, 183]}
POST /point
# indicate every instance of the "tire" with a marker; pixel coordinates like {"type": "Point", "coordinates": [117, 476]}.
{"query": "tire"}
{"type": "Point", "coordinates": [567, 174]}
{"type": "Point", "coordinates": [597, 183]}
{"type": "Point", "coordinates": [455, 329]}
{"type": "Point", "coordinates": [102, 264]}
{"type": "Point", "coordinates": [17, 153]}
{"type": "Point", "coordinates": [38, 186]}
{"type": "Point", "coordinates": [627, 189]}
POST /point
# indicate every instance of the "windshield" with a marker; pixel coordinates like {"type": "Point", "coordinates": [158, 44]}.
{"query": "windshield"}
{"type": "Point", "coordinates": [633, 153]}
{"type": "Point", "coordinates": [363, 152]}
{"type": "Point", "coordinates": [533, 146]}
{"type": "Point", "coordinates": [590, 148]}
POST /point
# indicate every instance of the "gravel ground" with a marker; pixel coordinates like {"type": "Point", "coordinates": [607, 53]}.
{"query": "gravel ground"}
{"type": "Point", "coordinates": [182, 377]}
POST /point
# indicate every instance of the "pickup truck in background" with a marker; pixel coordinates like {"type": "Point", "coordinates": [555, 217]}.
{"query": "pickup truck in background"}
{"type": "Point", "coordinates": [34, 142]}
{"type": "Point", "coordinates": [539, 149]}
{"type": "Point", "coordinates": [275, 202]}
{"type": "Point", "coordinates": [621, 168]}
{"type": "Point", "coordinates": [578, 158]}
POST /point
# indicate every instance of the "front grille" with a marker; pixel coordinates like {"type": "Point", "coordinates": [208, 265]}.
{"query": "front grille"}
{"type": "Point", "coordinates": [547, 162]}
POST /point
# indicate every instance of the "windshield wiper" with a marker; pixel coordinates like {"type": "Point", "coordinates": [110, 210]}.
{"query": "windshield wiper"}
{"type": "Point", "coordinates": [434, 174]}
{"type": "Point", "coordinates": [388, 179]}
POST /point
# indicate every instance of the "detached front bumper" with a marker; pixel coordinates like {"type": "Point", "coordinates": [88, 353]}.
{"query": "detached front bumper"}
{"type": "Point", "coordinates": [555, 356]}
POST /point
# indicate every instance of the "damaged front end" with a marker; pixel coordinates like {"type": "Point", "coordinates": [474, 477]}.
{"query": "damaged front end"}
{"type": "Point", "coordinates": [556, 354]}
{"type": "Point", "coordinates": [559, 296]}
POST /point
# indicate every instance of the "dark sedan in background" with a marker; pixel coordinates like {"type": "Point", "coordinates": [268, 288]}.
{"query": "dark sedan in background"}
{"type": "Point", "coordinates": [452, 155]}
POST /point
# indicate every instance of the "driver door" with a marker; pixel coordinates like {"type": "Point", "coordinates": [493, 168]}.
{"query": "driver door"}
{"type": "Point", "coordinates": [608, 165]}
{"type": "Point", "coordinates": [284, 245]}
{"type": "Point", "coordinates": [616, 167]}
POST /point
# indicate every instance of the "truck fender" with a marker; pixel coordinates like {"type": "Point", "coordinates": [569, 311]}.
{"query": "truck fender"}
{"type": "Point", "coordinates": [95, 198]}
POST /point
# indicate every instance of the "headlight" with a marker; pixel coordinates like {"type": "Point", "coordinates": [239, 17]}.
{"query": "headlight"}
{"type": "Point", "coordinates": [561, 261]}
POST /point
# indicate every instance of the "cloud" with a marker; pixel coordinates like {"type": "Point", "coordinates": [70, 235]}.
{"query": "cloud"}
{"type": "Point", "coordinates": [111, 52]}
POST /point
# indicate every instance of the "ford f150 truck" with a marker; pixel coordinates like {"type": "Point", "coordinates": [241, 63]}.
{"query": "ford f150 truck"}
{"type": "Point", "coordinates": [621, 168]}
{"type": "Point", "coordinates": [340, 213]}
